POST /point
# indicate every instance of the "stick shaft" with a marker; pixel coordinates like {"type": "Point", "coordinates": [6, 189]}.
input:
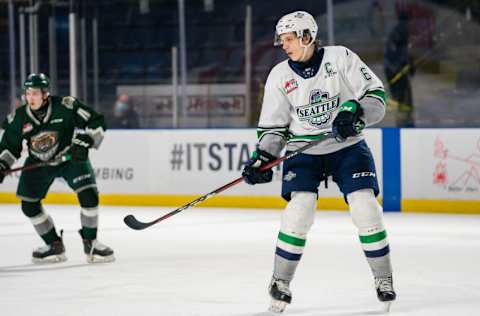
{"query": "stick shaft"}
{"type": "Point", "coordinates": [132, 222]}
{"type": "Point", "coordinates": [37, 165]}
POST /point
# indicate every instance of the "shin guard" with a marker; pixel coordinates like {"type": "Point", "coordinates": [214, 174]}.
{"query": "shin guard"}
{"type": "Point", "coordinates": [367, 216]}
{"type": "Point", "coordinates": [88, 199]}
{"type": "Point", "coordinates": [296, 222]}
{"type": "Point", "coordinates": [42, 222]}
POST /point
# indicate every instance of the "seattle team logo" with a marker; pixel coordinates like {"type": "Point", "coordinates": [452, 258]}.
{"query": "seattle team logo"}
{"type": "Point", "coordinates": [318, 112]}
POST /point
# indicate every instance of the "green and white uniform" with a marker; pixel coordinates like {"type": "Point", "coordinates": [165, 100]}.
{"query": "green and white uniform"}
{"type": "Point", "coordinates": [48, 138]}
{"type": "Point", "coordinates": [48, 134]}
{"type": "Point", "coordinates": [297, 109]}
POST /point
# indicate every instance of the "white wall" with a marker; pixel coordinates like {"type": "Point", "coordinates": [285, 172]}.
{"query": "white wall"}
{"type": "Point", "coordinates": [140, 162]}
{"type": "Point", "coordinates": [441, 164]}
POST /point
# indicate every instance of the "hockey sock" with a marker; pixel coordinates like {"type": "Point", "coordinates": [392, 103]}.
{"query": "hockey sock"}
{"type": "Point", "coordinates": [41, 221]}
{"type": "Point", "coordinates": [296, 222]}
{"type": "Point", "coordinates": [287, 255]}
{"type": "Point", "coordinates": [367, 217]}
{"type": "Point", "coordinates": [89, 220]}
{"type": "Point", "coordinates": [89, 214]}
{"type": "Point", "coordinates": [375, 246]}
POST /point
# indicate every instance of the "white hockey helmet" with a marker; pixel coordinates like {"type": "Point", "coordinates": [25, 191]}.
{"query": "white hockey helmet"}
{"type": "Point", "coordinates": [299, 22]}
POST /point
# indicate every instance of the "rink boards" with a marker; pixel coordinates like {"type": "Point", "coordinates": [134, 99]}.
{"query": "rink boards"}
{"type": "Point", "coordinates": [419, 170]}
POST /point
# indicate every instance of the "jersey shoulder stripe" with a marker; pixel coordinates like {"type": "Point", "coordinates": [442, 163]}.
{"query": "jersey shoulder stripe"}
{"type": "Point", "coordinates": [281, 131]}
{"type": "Point", "coordinates": [303, 138]}
{"type": "Point", "coordinates": [378, 94]}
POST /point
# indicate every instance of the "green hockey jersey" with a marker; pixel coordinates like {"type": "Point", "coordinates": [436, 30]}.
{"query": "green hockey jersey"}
{"type": "Point", "coordinates": [50, 137]}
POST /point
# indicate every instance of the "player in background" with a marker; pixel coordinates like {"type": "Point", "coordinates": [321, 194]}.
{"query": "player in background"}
{"type": "Point", "coordinates": [52, 127]}
{"type": "Point", "coordinates": [319, 89]}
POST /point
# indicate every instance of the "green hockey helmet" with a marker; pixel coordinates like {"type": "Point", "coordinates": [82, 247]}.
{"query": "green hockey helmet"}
{"type": "Point", "coordinates": [37, 81]}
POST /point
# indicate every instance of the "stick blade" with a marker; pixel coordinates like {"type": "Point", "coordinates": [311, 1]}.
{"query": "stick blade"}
{"type": "Point", "coordinates": [133, 223]}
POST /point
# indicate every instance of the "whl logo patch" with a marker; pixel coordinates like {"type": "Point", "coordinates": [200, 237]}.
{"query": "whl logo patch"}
{"type": "Point", "coordinates": [290, 85]}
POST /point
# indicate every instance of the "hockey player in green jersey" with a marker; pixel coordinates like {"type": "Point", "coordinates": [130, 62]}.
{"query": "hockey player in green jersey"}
{"type": "Point", "coordinates": [55, 127]}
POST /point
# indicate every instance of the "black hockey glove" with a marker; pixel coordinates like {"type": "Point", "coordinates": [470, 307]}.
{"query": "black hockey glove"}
{"type": "Point", "coordinates": [251, 172]}
{"type": "Point", "coordinates": [81, 143]}
{"type": "Point", "coordinates": [348, 122]}
{"type": "Point", "coordinates": [3, 167]}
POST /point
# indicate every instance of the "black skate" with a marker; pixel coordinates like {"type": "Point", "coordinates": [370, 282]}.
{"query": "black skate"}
{"type": "Point", "coordinates": [96, 251]}
{"type": "Point", "coordinates": [281, 295]}
{"type": "Point", "coordinates": [385, 291]}
{"type": "Point", "coordinates": [54, 252]}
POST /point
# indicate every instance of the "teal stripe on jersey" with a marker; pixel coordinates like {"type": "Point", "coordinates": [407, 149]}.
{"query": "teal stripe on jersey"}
{"type": "Point", "coordinates": [306, 138]}
{"type": "Point", "coordinates": [378, 94]}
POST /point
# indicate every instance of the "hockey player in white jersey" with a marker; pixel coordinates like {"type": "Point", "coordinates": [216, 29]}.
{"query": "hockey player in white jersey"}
{"type": "Point", "coordinates": [319, 89]}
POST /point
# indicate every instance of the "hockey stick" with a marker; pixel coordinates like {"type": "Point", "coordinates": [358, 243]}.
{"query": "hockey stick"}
{"type": "Point", "coordinates": [53, 162]}
{"type": "Point", "coordinates": [134, 223]}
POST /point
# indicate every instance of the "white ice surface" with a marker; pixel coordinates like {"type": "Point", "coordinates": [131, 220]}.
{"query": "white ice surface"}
{"type": "Point", "coordinates": [213, 262]}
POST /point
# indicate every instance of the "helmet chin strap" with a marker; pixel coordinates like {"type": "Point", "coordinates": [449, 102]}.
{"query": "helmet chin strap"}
{"type": "Point", "coordinates": [305, 48]}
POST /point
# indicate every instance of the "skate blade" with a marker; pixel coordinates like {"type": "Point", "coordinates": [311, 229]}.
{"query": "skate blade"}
{"type": "Point", "coordinates": [100, 259]}
{"type": "Point", "coordinates": [50, 259]}
{"type": "Point", "coordinates": [386, 307]}
{"type": "Point", "coordinates": [277, 307]}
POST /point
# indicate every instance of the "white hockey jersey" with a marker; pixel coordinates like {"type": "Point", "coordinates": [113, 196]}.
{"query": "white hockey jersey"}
{"type": "Point", "coordinates": [296, 109]}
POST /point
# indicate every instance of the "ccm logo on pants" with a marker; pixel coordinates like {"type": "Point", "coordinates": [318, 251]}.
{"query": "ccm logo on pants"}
{"type": "Point", "coordinates": [363, 174]}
